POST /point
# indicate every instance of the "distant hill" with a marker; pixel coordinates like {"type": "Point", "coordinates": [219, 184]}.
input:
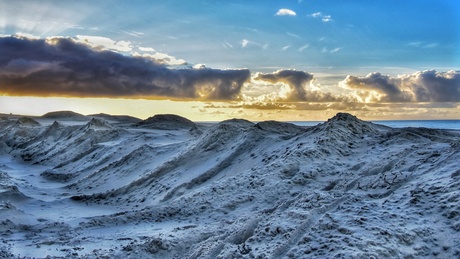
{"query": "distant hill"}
{"type": "Point", "coordinates": [64, 115]}
{"type": "Point", "coordinates": [167, 122]}
{"type": "Point", "coordinates": [117, 118]}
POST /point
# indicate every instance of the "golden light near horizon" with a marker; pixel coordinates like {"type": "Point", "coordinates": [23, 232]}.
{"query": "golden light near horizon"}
{"type": "Point", "coordinates": [144, 59]}
{"type": "Point", "coordinates": [218, 111]}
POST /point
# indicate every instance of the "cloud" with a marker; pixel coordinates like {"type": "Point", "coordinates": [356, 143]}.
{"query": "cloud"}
{"type": "Point", "coordinates": [247, 43]}
{"type": "Point", "coordinates": [65, 67]}
{"type": "Point", "coordinates": [287, 12]}
{"type": "Point", "coordinates": [285, 47]}
{"type": "Point", "coordinates": [414, 44]}
{"type": "Point", "coordinates": [376, 87]}
{"type": "Point", "coordinates": [433, 86]}
{"type": "Point", "coordinates": [147, 49]}
{"type": "Point", "coordinates": [304, 47]}
{"type": "Point", "coordinates": [296, 87]}
{"type": "Point", "coordinates": [293, 35]}
{"type": "Point", "coordinates": [323, 17]}
{"type": "Point", "coordinates": [227, 45]}
{"type": "Point", "coordinates": [295, 80]}
{"type": "Point", "coordinates": [335, 50]}
{"type": "Point", "coordinates": [244, 43]}
{"type": "Point", "coordinates": [134, 33]}
{"type": "Point", "coordinates": [430, 45]}
{"type": "Point", "coordinates": [162, 58]}
{"type": "Point", "coordinates": [424, 86]}
{"type": "Point", "coordinates": [326, 18]}
{"type": "Point", "coordinates": [104, 43]}
{"type": "Point", "coordinates": [423, 45]}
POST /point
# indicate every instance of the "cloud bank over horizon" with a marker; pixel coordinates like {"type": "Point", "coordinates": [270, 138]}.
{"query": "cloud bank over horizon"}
{"type": "Point", "coordinates": [422, 86]}
{"type": "Point", "coordinates": [61, 66]}
{"type": "Point", "coordinates": [77, 67]}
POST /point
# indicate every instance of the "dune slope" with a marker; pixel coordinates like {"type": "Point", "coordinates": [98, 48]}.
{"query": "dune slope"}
{"type": "Point", "coordinates": [170, 188]}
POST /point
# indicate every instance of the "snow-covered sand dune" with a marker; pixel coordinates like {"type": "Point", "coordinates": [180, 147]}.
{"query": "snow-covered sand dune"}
{"type": "Point", "coordinates": [102, 185]}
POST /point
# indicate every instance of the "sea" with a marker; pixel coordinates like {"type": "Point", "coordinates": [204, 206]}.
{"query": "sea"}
{"type": "Point", "coordinates": [433, 124]}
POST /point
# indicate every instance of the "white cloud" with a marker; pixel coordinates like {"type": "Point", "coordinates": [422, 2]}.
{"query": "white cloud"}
{"type": "Point", "coordinates": [287, 12]}
{"type": "Point", "coordinates": [335, 50]}
{"type": "Point", "coordinates": [227, 45]}
{"type": "Point", "coordinates": [26, 35]}
{"type": "Point", "coordinates": [162, 58]}
{"type": "Point", "coordinates": [104, 43]}
{"type": "Point", "coordinates": [146, 49]}
{"type": "Point", "coordinates": [244, 43]}
{"type": "Point", "coordinates": [73, 26]}
{"type": "Point", "coordinates": [285, 47]}
{"type": "Point", "coordinates": [323, 17]}
{"type": "Point", "coordinates": [134, 33]}
{"type": "Point", "coordinates": [293, 35]}
{"type": "Point", "coordinates": [316, 15]}
{"type": "Point", "coordinates": [304, 47]}
{"type": "Point", "coordinates": [326, 18]}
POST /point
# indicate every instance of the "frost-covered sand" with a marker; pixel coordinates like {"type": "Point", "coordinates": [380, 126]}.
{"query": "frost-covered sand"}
{"type": "Point", "coordinates": [116, 186]}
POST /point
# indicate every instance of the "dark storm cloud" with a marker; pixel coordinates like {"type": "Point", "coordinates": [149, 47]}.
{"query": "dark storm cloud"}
{"type": "Point", "coordinates": [424, 86]}
{"type": "Point", "coordinates": [64, 67]}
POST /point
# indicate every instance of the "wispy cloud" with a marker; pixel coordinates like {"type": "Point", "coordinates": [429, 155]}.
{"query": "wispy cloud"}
{"type": "Point", "coordinates": [335, 50]}
{"type": "Point", "coordinates": [227, 45]}
{"type": "Point", "coordinates": [431, 45]}
{"type": "Point", "coordinates": [323, 17]}
{"type": "Point", "coordinates": [245, 43]}
{"type": "Point", "coordinates": [134, 33]}
{"type": "Point", "coordinates": [285, 12]}
{"type": "Point", "coordinates": [414, 44]}
{"type": "Point", "coordinates": [73, 26]}
{"type": "Point", "coordinates": [421, 44]}
{"type": "Point", "coordinates": [304, 47]}
{"type": "Point", "coordinates": [293, 35]}
{"type": "Point", "coordinates": [285, 47]}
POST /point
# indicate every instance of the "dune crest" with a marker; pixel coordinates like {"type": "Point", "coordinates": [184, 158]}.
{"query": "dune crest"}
{"type": "Point", "coordinates": [167, 187]}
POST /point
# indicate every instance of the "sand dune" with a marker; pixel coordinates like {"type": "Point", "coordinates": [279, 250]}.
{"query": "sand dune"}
{"type": "Point", "coordinates": [101, 185]}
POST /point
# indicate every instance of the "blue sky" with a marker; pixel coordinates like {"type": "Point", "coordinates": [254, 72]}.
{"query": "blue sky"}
{"type": "Point", "coordinates": [416, 35]}
{"type": "Point", "coordinates": [329, 39]}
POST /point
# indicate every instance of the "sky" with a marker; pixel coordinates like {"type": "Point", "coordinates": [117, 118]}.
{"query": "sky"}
{"type": "Point", "coordinates": [298, 60]}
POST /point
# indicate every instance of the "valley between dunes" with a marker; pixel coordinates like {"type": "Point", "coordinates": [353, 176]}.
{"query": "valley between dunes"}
{"type": "Point", "coordinates": [102, 186]}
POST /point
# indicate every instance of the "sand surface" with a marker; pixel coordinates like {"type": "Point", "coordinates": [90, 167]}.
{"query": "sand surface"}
{"type": "Point", "coordinates": [102, 185]}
